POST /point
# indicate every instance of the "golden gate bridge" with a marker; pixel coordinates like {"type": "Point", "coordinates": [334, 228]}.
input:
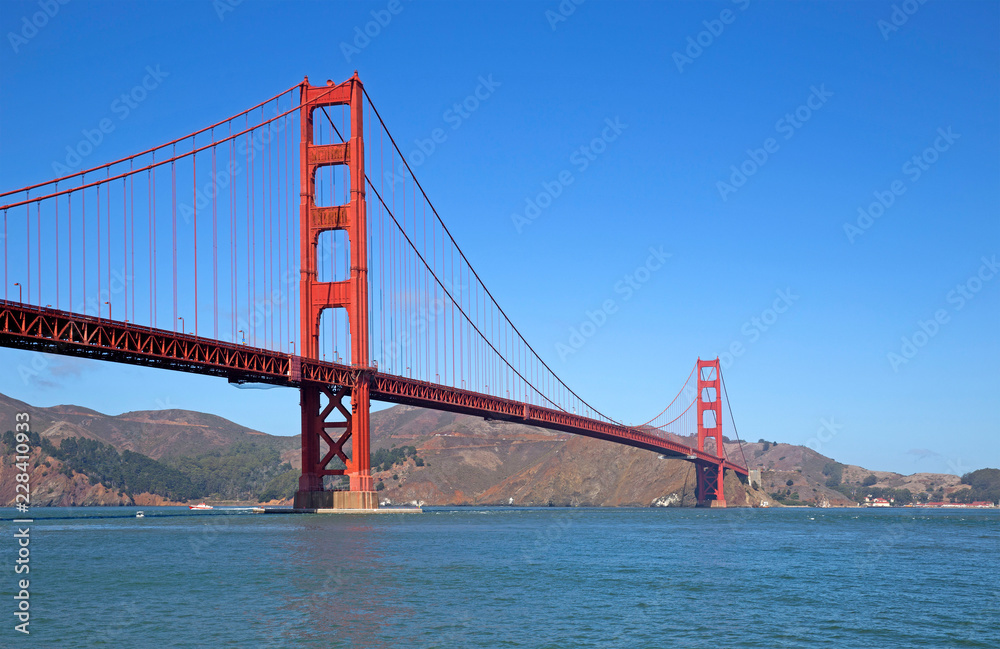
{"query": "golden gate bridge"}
{"type": "Point", "coordinates": [194, 256]}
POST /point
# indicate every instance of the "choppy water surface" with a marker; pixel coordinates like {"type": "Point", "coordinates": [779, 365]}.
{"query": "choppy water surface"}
{"type": "Point", "coordinates": [510, 578]}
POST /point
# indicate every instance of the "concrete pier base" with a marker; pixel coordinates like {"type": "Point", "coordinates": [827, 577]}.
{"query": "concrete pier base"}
{"type": "Point", "coordinates": [347, 500]}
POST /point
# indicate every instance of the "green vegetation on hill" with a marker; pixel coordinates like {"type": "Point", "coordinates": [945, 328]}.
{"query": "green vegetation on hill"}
{"type": "Point", "coordinates": [834, 472]}
{"type": "Point", "coordinates": [282, 486]}
{"type": "Point", "coordinates": [858, 492]}
{"type": "Point", "coordinates": [128, 472]}
{"type": "Point", "coordinates": [35, 440]}
{"type": "Point", "coordinates": [386, 458]}
{"type": "Point", "coordinates": [245, 471]}
{"type": "Point", "coordinates": [787, 497]}
{"type": "Point", "coordinates": [984, 485]}
{"type": "Point", "coordinates": [241, 472]}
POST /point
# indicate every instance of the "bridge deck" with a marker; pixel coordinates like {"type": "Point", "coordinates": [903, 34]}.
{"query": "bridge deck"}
{"type": "Point", "coordinates": [61, 332]}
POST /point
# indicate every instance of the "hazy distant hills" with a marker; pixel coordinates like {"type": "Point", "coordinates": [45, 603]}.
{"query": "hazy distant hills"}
{"type": "Point", "coordinates": [458, 459]}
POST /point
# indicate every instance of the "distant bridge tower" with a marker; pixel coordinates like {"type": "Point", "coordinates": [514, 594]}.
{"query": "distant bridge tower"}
{"type": "Point", "coordinates": [710, 477]}
{"type": "Point", "coordinates": [350, 294]}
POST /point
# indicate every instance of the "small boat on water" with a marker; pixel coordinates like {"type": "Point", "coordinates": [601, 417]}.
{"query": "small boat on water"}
{"type": "Point", "coordinates": [200, 506]}
{"type": "Point", "coordinates": [139, 514]}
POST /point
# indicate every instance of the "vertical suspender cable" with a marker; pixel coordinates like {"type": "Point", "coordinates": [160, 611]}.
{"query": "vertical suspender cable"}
{"type": "Point", "coordinates": [194, 208]}
{"type": "Point", "coordinates": [149, 241]}
{"type": "Point", "coordinates": [173, 231]}
{"type": "Point", "coordinates": [38, 245]}
{"type": "Point", "coordinates": [57, 247]}
{"type": "Point", "coordinates": [98, 300]}
{"type": "Point", "coordinates": [69, 223]}
{"type": "Point", "coordinates": [269, 249]}
{"type": "Point", "coordinates": [83, 228]}
{"type": "Point", "coordinates": [107, 196]}
{"type": "Point", "coordinates": [282, 340]}
{"type": "Point", "coordinates": [152, 245]}
{"type": "Point", "coordinates": [215, 244]}
{"type": "Point", "coordinates": [131, 226]}
{"type": "Point", "coordinates": [125, 241]}
{"type": "Point", "coordinates": [247, 242]}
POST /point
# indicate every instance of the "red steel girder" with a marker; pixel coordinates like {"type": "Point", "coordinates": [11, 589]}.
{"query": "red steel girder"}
{"type": "Point", "coordinates": [395, 389]}
{"type": "Point", "coordinates": [61, 332]}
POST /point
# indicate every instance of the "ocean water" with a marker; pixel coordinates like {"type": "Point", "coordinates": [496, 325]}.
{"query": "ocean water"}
{"type": "Point", "coordinates": [508, 577]}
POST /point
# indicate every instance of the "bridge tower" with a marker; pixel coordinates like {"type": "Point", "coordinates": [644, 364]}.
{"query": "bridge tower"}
{"type": "Point", "coordinates": [350, 294]}
{"type": "Point", "coordinates": [709, 489]}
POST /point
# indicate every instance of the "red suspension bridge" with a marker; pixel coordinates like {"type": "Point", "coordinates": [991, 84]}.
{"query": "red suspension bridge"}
{"type": "Point", "coordinates": [193, 256]}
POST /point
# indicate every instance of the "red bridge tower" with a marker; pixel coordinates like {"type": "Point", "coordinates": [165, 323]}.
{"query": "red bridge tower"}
{"type": "Point", "coordinates": [709, 489]}
{"type": "Point", "coordinates": [350, 294]}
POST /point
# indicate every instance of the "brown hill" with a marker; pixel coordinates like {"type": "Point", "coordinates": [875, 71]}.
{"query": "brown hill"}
{"type": "Point", "coordinates": [467, 460]}
{"type": "Point", "coordinates": [780, 463]}
{"type": "Point", "coordinates": [156, 433]}
{"type": "Point", "coordinates": [472, 461]}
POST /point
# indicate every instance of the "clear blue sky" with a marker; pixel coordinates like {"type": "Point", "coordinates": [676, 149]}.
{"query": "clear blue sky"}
{"type": "Point", "coordinates": [840, 97]}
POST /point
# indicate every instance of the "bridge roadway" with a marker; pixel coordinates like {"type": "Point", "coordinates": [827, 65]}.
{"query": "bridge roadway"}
{"type": "Point", "coordinates": [61, 332]}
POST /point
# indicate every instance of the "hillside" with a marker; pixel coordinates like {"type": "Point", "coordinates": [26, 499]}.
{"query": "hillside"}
{"type": "Point", "coordinates": [450, 459]}
{"type": "Point", "coordinates": [468, 460]}
{"type": "Point", "coordinates": [166, 438]}
{"type": "Point", "coordinates": [156, 433]}
{"type": "Point", "coordinates": [812, 476]}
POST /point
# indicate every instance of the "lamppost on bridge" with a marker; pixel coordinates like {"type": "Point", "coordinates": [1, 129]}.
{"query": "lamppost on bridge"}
{"type": "Point", "coordinates": [109, 310]}
{"type": "Point", "coordinates": [292, 343]}
{"type": "Point", "coordinates": [181, 318]}
{"type": "Point", "coordinates": [19, 296]}
{"type": "Point", "coordinates": [244, 336]}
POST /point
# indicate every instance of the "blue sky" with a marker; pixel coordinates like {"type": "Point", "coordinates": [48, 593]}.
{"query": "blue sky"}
{"type": "Point", "coordinates": [836, 162]}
